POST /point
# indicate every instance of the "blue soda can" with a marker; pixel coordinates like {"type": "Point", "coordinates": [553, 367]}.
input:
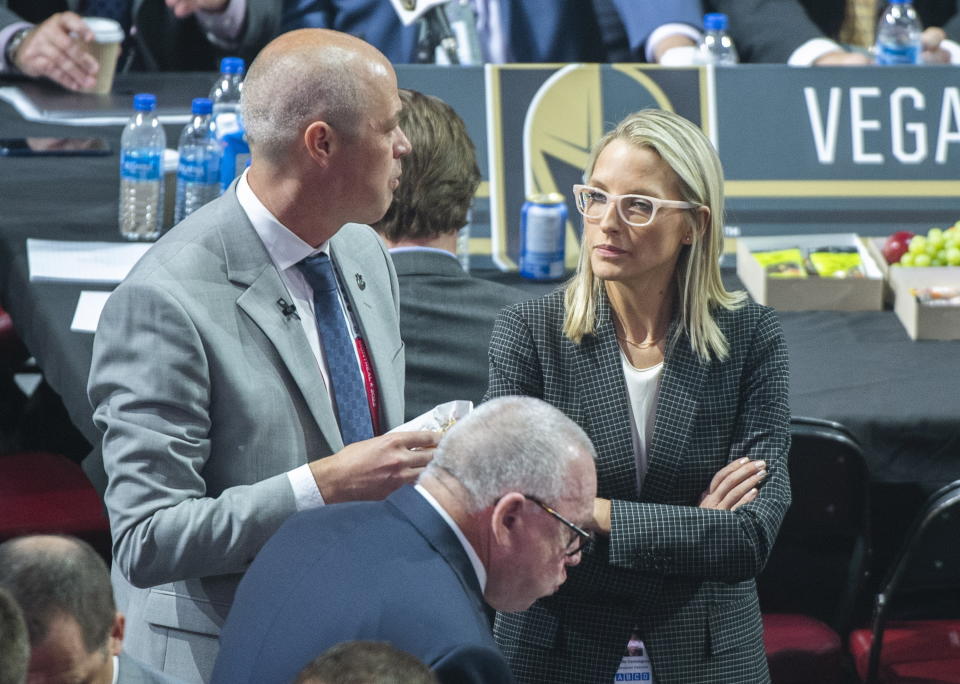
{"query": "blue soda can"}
{"type": "Point", "coordinates": [543, 228]}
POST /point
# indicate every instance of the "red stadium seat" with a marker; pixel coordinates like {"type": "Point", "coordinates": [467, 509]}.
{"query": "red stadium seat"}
{"type": "Point", "coordinates": [46, 493]}
{"type": "Point", "coordinates": [915, 634]}
{"type": "Point", "coordinates": [818, 564]}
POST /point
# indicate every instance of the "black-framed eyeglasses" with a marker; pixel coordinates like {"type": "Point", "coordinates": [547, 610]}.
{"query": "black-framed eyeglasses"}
{"type": "Point", "coordinates": [580, 539]}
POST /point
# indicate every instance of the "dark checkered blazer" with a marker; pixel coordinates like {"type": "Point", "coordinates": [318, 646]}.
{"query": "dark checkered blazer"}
{"type": "Point", "coordinates": [682, 575]}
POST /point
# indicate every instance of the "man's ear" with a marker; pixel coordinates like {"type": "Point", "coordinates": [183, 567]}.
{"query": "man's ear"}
{"type": "Point", "coordinates": [115, 640]}
{"type": "Point", "coordinates": [320, 140]}
{"type": "Point", "coordinates": [506, 517]}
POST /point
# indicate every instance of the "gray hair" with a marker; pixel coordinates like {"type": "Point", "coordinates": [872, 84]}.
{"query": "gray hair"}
{"type": "Point", "coordinates": [512, 444]}
{"type": "Point", "coordinates": [53, 575]}
{"type": "Point", "coordinates": [286, 91]}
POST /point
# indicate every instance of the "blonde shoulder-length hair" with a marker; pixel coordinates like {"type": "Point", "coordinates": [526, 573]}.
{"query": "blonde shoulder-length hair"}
{"type": "Point", "coordinates": [699, 288]}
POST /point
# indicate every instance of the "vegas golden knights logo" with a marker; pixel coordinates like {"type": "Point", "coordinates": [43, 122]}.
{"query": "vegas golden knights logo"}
{"type": "Point", "coordinates": [567, 111]}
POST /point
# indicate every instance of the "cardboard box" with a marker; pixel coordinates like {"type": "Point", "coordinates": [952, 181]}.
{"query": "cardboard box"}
{"type": "Point", "coordinates": [812, 293]}
{"type": "Point", "coordinates": [924, 322]}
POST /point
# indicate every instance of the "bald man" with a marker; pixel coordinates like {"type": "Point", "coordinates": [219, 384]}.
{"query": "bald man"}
{"type": "Point", "coordinates": [251, 363]}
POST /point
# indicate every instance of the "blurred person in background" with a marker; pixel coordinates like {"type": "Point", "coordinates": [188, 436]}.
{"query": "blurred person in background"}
{"type": "Point", "coordinates": [14, 645]}
{"type": "Point", "coordinates": [365, 662]}
{"type": "Point", "coordinates": [76, 633]}
{"type": "Point", "coordinates": [445, 315]}
{"type": "Point", "coordinates": [44, 39]}
{"type": "Point", "coordinates": [813, 32]}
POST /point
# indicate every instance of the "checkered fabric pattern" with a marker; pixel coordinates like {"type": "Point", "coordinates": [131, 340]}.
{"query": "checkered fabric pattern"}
{"type": "Point", "coordinates": [350, 396]}
{"type": "Point", "coordinates": [682, 574]}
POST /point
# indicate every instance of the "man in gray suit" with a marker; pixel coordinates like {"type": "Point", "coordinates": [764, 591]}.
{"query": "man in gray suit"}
{"type": "Point", "coordinates": [230, 390]}
{"type": "Point", "coordinates": [445, 315]}
{"type": "Point", "coordinates": [76, 634]}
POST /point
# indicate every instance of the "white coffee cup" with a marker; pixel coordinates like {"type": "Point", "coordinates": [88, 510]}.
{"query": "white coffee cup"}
{"type": "Point", "coordinates": [105, 48]}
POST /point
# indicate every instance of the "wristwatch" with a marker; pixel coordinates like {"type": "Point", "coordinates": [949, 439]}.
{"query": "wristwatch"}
{"type": "Point", "coordinates": [10, 51]}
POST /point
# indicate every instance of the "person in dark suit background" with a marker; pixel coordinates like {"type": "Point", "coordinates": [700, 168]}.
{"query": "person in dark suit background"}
{"type": "Point", "coordinates": [14, 645]}
{"type": "Point", "coordinates": [76, 633]}
{"type": "Point", "coordinates": [251, 363]}
{"type": "Point", "coordinates": [525, 31]}
{"type": "Point", "coordinates": [369, 662]}
{"type": "Point", "coordinates": [812, 32]}
{"type": "Point", "coordinates": [43, 39]}
{"type": "Point", "coordinates": [495, 517]}
{"type": "Point", "coordinates": [445, 315]}
{"type": "Point", "coordinates": [682, 386]}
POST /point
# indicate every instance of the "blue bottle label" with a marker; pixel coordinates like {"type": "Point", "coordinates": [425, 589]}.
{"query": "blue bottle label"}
{"type": "Point", "coordinates": [140, 165]}
{"type": "Point", "coordinates": [198, 170]}
{"type": "Point", "coordinates": [888, 55]}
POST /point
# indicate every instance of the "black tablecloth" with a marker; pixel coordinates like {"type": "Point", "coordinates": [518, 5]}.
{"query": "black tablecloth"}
{"type": "Point", "coordinates": [901, 398]}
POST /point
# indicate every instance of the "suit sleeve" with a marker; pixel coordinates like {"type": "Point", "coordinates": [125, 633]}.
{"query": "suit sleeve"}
{"type": "Point", "coordinates": [473, 664]}
{"type": "Point", "coordinates": [722, 545]}
{"type": "Point", "coordinates": [952, 25]}
{"type": "Point", "coordinates": [308, 13]}
{"type": "Point", "coordinates": [151, 389]}
{"type": "Point", "coordinates": [514, 365]}
{"type": "Point", "coordinates": [640, 19]}
{"type": "Point", "coordinates": [767, 30]}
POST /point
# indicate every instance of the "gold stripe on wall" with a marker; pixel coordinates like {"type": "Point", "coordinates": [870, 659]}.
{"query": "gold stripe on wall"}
{"type": "Point", "coordinates": [843, 188]}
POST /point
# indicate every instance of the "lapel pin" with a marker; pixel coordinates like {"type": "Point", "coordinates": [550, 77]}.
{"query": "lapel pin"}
{"type": "Point", "coordinates": [360, 281]}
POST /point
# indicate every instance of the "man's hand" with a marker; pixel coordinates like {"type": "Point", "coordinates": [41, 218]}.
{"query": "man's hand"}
{"type": "Point", "coordinates": [843, 58]}
{"type": "Point", "coordinates": [55, 49]}
{"type": "Point", "coordinates": [734, 485]}
{"type": "Point", "coordinates": [676, 40]}
{"type": "Point", "coordinates": [185, 8]}
{"type": "Point", "coordinates": [374, 468]}
{"type": "Point", "coordinates": [932, 52]}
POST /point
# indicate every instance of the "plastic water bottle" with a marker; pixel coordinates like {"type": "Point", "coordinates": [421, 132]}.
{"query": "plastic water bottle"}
{"type": "Point", "coordinates": [229, 124]}
{"type": "Point", "coordinates": [198, 171]}
{"type": "Point", "coordinates": [225, 93]}
{"type": "Point", "coordinates": [898, 34]}
{"type": "Point", "coordinates": [141, 175]}
{"type": "Point", "coordinates": [716, 46]}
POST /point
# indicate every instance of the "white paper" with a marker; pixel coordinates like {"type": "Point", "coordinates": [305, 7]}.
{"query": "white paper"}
{"type": "Point", "coordinates": [87, 315]}
{"type": "Point", "coordinates": [92, 262]}
{"type": "Point", "coordinates": [438, 419]}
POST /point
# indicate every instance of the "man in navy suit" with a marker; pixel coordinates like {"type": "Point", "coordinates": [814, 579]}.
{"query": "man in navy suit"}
{"type": "Point", "coordinates": [497, 516]}
{"type": "Point", "coordinates": [528, 30]}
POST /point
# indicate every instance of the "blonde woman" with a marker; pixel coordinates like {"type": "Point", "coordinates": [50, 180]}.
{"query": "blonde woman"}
{"type": "Point", "coordinates": [682, 386]}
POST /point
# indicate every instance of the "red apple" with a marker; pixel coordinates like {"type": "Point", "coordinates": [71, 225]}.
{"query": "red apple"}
{"type": "Point", "coordinates": [896, 245]}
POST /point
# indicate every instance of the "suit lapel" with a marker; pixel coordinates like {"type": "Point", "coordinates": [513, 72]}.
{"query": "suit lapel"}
{"type": "Point", "coordinates": [367, 315]}
{"type": "Point", "coordinates": [682, 382]}
{"type": "Point", "coordinates": [248, 263]}
{"type": "Point", "coordinates": [605, 402]}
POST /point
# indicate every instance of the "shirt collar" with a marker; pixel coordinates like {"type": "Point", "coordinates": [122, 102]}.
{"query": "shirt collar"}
{"type": "Point", "coordinates": [285, 248]}
{"type": "Point", "coordinates": [467, 546]}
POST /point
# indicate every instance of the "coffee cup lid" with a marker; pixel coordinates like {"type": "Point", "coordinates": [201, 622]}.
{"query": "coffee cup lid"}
{"type": "Point", "coordinates": [105, 30]}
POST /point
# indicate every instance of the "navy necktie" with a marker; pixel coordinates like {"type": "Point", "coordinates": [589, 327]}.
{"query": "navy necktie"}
{"type": "Point", "coordinates": [118, 10]}
{"type": "Point", "coordinates": [348, 389]}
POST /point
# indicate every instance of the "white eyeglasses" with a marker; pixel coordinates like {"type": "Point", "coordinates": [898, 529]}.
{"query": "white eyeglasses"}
{"type": "Point", "coordinates": [636, 210]}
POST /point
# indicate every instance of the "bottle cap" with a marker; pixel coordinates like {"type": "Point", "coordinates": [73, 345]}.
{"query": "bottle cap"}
{"type": "Point", "coordinates": [202, 105]}
{"type": "Point", "coordinates": [144, 102]}
{"type": "Point", "coordinates": [715, 21]}
{"type": "Point", "coordinates": [231, 65]}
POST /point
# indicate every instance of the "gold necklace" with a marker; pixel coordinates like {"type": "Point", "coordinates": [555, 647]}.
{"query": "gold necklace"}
{"type": "Point", "coordinates": [642, 345]}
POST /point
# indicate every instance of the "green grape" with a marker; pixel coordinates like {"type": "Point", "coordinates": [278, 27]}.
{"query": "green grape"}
{"type": "Point", "coordinates": [907, 259]}
{"type": "Point", "coordinates": [932, 248]}
{"type": "Point", "coordinates": [935, 237]}
{"type": "Point", "coordinates": [953, 256]}
{"type": "Point", "coordinates": [938, 262]}
{"type": "Point", "coordinates": [918, 244]}
{"type": "Point", "coordinates": [921, 259]}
